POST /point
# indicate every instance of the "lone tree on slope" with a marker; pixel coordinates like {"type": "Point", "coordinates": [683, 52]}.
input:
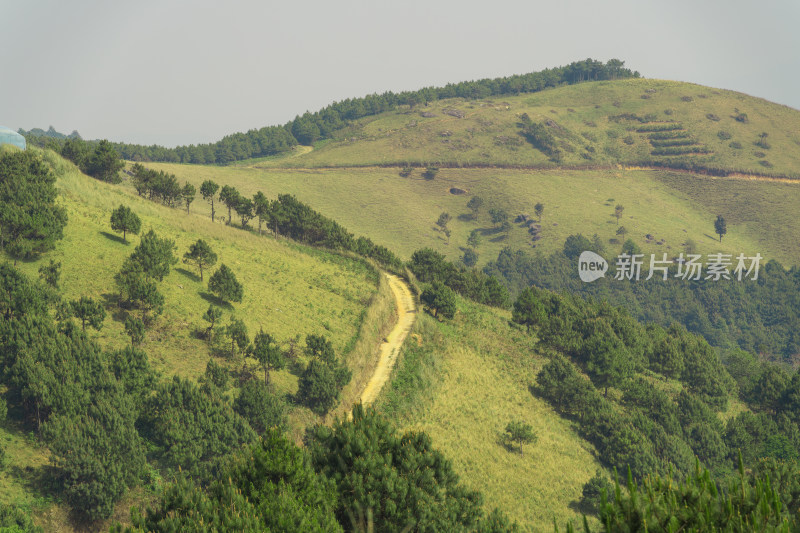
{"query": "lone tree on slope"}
{"type": "Point", "coordinates": [720, 227]}
{"type": "Point", "coordinates": [519, 433]}
{"type": "Point", "coordinates": [126, 221]}
{"type": "Point", "coordinates": [224, 284]}
{"type": "Point", "coordinates": [475, 203]}
{"type": "Point", "coordinates": [88, 311]}
{"type": "Point", "coordinates": [201, 254]}
{"type": "Point", "coordinates": [618, 212]}
{"type": "Point", "coordinates": [539, 210]}
{"type": "Point", "coordinates": [188, 193]}
{"type": "Point", "coordinates": [443, 220]}
{"type": "Point", "coordinates": [268, 354]}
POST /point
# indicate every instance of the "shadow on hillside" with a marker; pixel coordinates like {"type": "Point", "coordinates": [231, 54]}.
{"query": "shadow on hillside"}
{"type": "Point", "coordinates": [712, 238]}
{"type": "Point", "coordinates": [33, 479]}
{"type": "Point", "coordinates": [489, 231]}
{"type": "Point", "coordinates": [191, 275]}
{"type": "Point", "coordinates": [219, 302]}
{"type": "Point", "coordinates": [112, 237]}
{"type": "Point", "coordinates": [465, 217]}
{"type": "Point", "coordinates": [113, 305]}
{"type": "Point", "coordinates": [582, 508]}
{"type": "Point", "coordinates": [499, 238]}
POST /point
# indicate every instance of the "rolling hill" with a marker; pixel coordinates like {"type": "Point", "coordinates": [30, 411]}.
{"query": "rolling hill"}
{"type": "Point", "coordinates": [594, 124]}
{"type": "Point", "coordinates": [674, 155]}
{"type": "Point", "coordinates": [480, 150]}
{"type": "Point", "coordinates": [290, 290]}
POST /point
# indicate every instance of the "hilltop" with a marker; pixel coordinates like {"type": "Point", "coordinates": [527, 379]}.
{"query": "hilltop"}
{"type": "Point", "coordinates": [603, 123]}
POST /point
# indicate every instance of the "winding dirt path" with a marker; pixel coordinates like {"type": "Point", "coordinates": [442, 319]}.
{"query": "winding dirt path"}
{"type": "Point", "coordinates": [390, 348]}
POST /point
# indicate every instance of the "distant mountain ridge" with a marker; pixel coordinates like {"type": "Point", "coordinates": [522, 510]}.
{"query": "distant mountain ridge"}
{"type": "Point", "coordinates": [311, 127]}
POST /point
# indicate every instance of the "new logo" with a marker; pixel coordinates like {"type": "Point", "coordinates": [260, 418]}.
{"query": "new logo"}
{"type": "Point", "coordinates": [591, 266]}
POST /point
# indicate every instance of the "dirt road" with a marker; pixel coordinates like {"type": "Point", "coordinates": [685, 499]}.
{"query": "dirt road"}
{"type": "Point", "coordinates": [389, 350]}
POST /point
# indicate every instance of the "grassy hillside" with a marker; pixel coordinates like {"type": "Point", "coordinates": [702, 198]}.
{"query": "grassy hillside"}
{"type": "Point", "coordinates": [598, 123]}
{"type": "Point", "coordinates": [289, 290]}
{"type": "Point", "coordinates": [462, 382]}
{"type": "Point", "coordinates": [400, 213]}
{"type": "Point", "coordinates": [593, 125]}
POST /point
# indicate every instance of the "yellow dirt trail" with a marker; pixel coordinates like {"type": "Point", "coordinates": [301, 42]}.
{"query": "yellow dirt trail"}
{"type": "Point", "coordinates": [390, 348]}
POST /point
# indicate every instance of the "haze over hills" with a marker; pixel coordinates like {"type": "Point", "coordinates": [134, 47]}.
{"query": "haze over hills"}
{"type": "Point", "coordinates": [617, 161]}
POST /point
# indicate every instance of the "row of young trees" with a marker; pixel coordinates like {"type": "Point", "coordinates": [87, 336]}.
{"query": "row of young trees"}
{"type": "Point", "coordinates": [324, 376]}
{"type": "Point", "coordinates": [324, 124]}
{"type": "Point", "coordinates": [285, 215]}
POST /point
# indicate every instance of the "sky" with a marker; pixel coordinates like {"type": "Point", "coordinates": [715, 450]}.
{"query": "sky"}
{"type": "Point", "coordinates": [183, 72]}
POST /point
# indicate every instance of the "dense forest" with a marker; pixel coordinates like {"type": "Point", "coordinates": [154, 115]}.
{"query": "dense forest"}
{"type": "Point", "coordinates": [323, 124]}
{"type": "Point", "coordinates": [758, 316]}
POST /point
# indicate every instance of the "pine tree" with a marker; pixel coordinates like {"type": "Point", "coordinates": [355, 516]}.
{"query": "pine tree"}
{"type": "Point", "coordinates": [208, 190]}
{"type": "Point", "coordinates": [268, 354]}
{"type": "Point", "coordinates": [720, 227]}
{"type": "Point", "coordinates": [126, 221]}
{"type": "Point", "coordinates": [201, 254]}
{"type": "Point", "coordinates": [30, 220]}
{"type": "Point", "coordinates": [88, 311]}
{"type": "Point", "coordinates": [223, 283]}
{"type": "Point", "coordinates": [188, 193]}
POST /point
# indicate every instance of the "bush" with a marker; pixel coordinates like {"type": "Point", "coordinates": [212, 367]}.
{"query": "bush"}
{"type": "Point", "coordinates": [592, 492]}
{"type": "Point", "coordinates": [470, 258]}
{"type": "Point", "coordinates": [736, 145]}
{"type": "Point", "coordinates": [723, 135]}
{"type": "Point", "coordinates": [323, 378]}
{"type": "Point", "coordinates": [430, 173]}
{"type": "Point", "coordinates": [261, 408]}
{"type": "Point", "coordinates": [518, 433]}
{"type": "Point", "coordinates": [440, 299]}
{"type": "Point", "coordinates": [224, 284]}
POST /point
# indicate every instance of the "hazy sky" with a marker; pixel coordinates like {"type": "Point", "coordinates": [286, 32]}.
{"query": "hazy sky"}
{"type": "Point", "coordinates": [193, 71]}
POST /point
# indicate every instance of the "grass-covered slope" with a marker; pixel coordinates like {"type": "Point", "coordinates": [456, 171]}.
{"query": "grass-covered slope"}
{"type": "Point", "coordinates": [461, 382]}
{"type": "Point", "coordinates": [603, 127]}
{"type": "Point", "coordinates": [597, 123]}
{"type": "Point", "coordinates": [401, 213]}
{"type": "Point", "coordinates": [288, 290]}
